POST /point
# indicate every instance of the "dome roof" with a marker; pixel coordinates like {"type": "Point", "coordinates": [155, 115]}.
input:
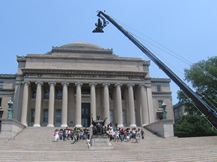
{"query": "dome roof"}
{"type": "Point", "coordinates": [81, 45]}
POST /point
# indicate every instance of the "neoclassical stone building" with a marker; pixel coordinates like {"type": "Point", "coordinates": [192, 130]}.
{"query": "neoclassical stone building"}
{"type": "Point", "coordinates": [78, 81]}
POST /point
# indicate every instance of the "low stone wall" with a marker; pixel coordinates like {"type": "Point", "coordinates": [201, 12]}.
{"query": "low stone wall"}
{"type": "Point", "coordinates": [163, 128]}
{"type": "Point", "coordinates": [10, 128]}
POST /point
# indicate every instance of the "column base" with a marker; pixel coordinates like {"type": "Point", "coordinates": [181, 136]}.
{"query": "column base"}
{"type": "Point", "coordinates": [50, 125]}
{"type": "Point", "coordinates": [132, 125]}
{"type": "Point", "coordinates": [25, 124]}
{"type": "Point", "coordinates": [120, 126]}
{"type": "Point", "coordinates": [78, 125]}
{"type": "Point", "coordinates": [36, 125]}
{"type": "Point", "coordinates": [144, 125]}
{"type": "Point", "coordinates": [64, 125]}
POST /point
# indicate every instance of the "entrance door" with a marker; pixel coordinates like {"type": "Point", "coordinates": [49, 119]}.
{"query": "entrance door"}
{"type": "Point", "coordinates": [85, 114]}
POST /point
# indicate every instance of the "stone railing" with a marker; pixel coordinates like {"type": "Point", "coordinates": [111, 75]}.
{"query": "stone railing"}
{"type": "Point", "coordinates": [10, 128]}
{"type": "Point", "coordinates": [163, 128]}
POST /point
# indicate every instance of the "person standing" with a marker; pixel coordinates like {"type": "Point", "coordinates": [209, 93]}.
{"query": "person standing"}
{"type": "Point", "coordinates": [56, 135]}
{"type": "Point", "coordinates": [142, 133]}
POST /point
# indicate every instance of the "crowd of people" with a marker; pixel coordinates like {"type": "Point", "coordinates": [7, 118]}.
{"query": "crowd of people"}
{"type": "Point", "coordinates": [116, 134]}
{"type": "Point", "coordinates": [126, 134]}
{"type": "Point", "coordinates": [75, 134]}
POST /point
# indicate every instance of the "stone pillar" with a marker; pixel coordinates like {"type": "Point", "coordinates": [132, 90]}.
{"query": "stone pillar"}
{"type": "Point", "coordinates": [93, 100]}
{"type": "Point", "coordinates": [106, 103]}
{"type": "Point", "coordinates": [64, 104]}
{"type": "Point", "coordinates": [150, 104]}
{"type": "Point", "coordinates": [25, 102]}
{"type": "Point", "coordinates": [143, 100]}
{"type": "Point", "coordinates": [17, 100]}
{"type": "Point", "coordinates": [78, 105]}
{"type": "Point", "coordinates": [131, 105]}
{"type": "Point", "coordinates": [38, 104]}
{"type": "Point", "coordinates": [119, 105]}
{"type": "Point", "coordinates": [51, 104]}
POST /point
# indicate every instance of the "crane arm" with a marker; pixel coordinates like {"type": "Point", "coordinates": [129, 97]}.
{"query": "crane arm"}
{"type": "Point", "coordinates": [203, 106]}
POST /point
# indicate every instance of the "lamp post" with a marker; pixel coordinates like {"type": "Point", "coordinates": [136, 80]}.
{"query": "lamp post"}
{"type": "Point", "coordinates": [10, 110]}
{"type": "Point", "coordinates": [164, 111]}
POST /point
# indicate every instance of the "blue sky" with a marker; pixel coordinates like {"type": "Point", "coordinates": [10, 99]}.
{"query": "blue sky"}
{"type": "Point", "coordinates": [189, 28]}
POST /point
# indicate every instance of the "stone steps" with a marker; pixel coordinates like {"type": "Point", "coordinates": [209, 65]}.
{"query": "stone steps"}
{"type": "Point", "coordinates": [36, 144]}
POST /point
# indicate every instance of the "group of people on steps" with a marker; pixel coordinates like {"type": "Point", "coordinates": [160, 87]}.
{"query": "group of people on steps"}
{"type": "Point", "coordinates": [75, 134]}
{"type": "Point", "coordinates": [116, 134]}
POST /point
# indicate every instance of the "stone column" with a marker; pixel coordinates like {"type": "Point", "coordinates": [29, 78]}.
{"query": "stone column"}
{"type": "Point", "coordinates": [25, 102]}
{"type": "Point", "coordinates": [38, 104]}
{"type": "Point", "coordinates": [17, 100]}
{"type": "Point", "coordinates": [150, 104]}
{"type": "Point", "coordinates": [131, 105]}
{"type": "Point", "coordinates": [93, 100]}
{"type": "Point", "coordinates": [106, 103]}
{"type": "Point", "coordinates": [64, 104]}
{"type": "Point", "coordinates": [143, 100]}
{"type": "Point", "coordinates": [78, 104]}
{"type": "Point", "coordinates": [51, 104]}
{"type": "Point", "coordinates": [119, 105]}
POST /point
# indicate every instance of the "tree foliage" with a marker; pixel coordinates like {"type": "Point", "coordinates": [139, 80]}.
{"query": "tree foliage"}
{"type": "Point", "coordinates": [193, 126]}
{"type": "Point", "coordinates": [203, 78]}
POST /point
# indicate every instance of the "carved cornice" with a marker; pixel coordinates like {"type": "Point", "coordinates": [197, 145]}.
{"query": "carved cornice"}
{"type": "Point", "coordinates": [161, 93]}
{"type": "Point", "coordinates": [77, 50]}
{"type": "Point", "coordinates": [21, 58]}
{"type": "Point", "coordinates": [83, 72]}
{"type": "Point", "coordinates": [160, 80]}
{"type": "Point", "coordinates": [7, 76]}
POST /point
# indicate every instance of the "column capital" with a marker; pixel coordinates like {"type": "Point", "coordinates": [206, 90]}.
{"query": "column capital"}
{"type": "Point", "coordinates": [65, 83]}
{"type": "Point", "coordinates": [52, 82]}
{"type": "Point", "coordinates": [142, 84]}
{"type": "Point", "coordinates": [39, 82]}
{"type": "Point", "coordinates": [118, 84]}
{"type": "Point", "coordinates": [92, 83]}
{"type": "Point", "coordinates": [130, 84]}
{"type": "Point", "coordinates": [26, 82]}
{"type": "Point", "coordinates": [78, 83]}
{"type": "Point", "coordinates": [106, 84]}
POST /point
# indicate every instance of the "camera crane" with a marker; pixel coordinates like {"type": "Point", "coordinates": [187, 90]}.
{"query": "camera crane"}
{"type": "Point", "coordinates": [203, 106]}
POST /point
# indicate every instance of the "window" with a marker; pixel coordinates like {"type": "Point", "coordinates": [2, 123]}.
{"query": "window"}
{"type": "Point", "coordinates": [160, 102]}
{"type": "Point", "coordinates": [158, 88]}
{"type": "Point", "coordinates": [111, 117]}
{"type": "Point", "coordinates": [34, 93]}
{"type": "Point", "coordinates": [1, 85]}
{"type": "Point", "coordinates": [32, 115]}
{"type": "Point", "coordinates": [0, 102]}
{"type": "Point", "coordinates": [46, 93]}
{"type": "Point", "coordinates": [85, 90]}
{"type": "Point", "coordinates": [110, 94]}
{"type": "Point", "coordinates": [123, 94]}
{"type": "Point", "coordinates": [124, 117]}
{"type": "Point", "coordinates": [59, 94]}
{"type": "Point", "coordinates": [58, 115]}
{"type": "Point", "coordinates": [45, 116]}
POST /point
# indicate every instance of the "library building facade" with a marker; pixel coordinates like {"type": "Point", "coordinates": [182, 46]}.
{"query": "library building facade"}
{"type": "Point", "coordinates": [73, 84]}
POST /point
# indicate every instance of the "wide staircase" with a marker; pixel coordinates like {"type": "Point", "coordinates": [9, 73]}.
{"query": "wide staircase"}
{"type": "Point", "coordinates": [37, 144]}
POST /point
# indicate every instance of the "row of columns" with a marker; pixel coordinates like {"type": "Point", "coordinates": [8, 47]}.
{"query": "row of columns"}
{"type": "Point", "coordinates": [145, 110]}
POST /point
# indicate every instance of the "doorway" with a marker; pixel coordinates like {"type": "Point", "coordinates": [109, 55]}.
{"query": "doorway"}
{"type": "Point", "coordinates": [85, 113]}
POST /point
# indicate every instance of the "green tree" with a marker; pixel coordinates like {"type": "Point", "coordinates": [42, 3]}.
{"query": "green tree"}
{"type": "Point", "coordinates": [203, 78]}
{"type": "Point", "coordinates": [193, 126]}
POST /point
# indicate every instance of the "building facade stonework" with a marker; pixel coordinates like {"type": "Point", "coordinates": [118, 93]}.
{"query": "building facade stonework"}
{"type": "Point", "coordinates": [76, 82]}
